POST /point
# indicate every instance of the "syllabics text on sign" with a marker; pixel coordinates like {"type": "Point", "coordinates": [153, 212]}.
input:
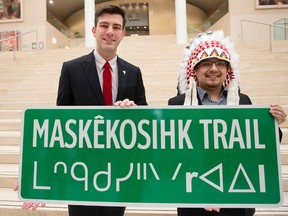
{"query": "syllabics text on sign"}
{"type": "Point", "coordinates": [226, 156]}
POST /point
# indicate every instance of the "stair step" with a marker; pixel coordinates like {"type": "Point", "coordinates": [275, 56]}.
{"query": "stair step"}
{"type": "Point", "coordinates": [11, 205]}
{"type": "Point", "coordinates": [24, 105]}
{"type": "Point", "coordinates": [9, 154]}
{"type": "Point", "coordinates": [32, 96]}
{"type": "Point", "coordinates": [10, 114]}
{"type": "Point", "coordinates": [10, 138]}
{"type": "Point", "coordinates": [21, 88]}
{"type": "Point", "coordinates": [10, 124]}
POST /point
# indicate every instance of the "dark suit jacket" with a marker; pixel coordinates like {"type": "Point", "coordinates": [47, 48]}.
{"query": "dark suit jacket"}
{"type": "Point", "coordinates": [179, 100]}
{"type": "Point", "coordinates": [244, 100]}
{"type": "Point", "coordinates": [79, 83]}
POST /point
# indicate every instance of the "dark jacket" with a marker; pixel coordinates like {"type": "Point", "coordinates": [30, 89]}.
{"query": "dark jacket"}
{"type": "Point", "coordinates": [79, 83]}
{"type": "Point", "coordinates": [244, 100]}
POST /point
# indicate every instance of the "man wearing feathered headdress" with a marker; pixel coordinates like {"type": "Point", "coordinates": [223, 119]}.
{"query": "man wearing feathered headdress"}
{"type": "Point", "coordinates": [209, 76]}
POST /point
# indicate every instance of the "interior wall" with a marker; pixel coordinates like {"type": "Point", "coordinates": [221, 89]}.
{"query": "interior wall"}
{"type": "Point", "coordinates": [161, 19]}
{"type": "Point", "coordinates": [53, 34]}
{"type": "Point", "coordinates": [161, 16]}
{"type": "Point", "coordinates": [223, 25]}
{"type": "Point", "coordinates": [246, 10]}
{"type": "Point", "coordinates": [195, 16]}
{"type": "Point", "coordinates": [76, 21]}
{"type": "Point", "coordinates": [33, 24]}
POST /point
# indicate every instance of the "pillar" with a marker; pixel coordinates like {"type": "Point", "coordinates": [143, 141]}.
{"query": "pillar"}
{"type": "Point", "coordinates": [181, 21]}
{"type": "Point", "coordinates": [89, 8]}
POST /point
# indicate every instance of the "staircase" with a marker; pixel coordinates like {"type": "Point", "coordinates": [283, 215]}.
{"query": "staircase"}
{"type": "Point", "coordinates": [32, 80]}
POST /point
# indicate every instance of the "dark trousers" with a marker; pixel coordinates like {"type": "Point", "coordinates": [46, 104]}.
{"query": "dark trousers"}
{"type": "Point", "coordinates": [223, 212]}
{"type": "Point", "coordinates": [79, 210]}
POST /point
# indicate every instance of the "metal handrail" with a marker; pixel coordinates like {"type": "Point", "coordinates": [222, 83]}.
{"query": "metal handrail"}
{"type": "Point", "coordinates": [281, 20]}
{"type": "Point", "coordinates": [19, 35]}
{"type": "Point", "coordinates": [270, 26]}
{"type": "Point", "coordinates": [69, 39]}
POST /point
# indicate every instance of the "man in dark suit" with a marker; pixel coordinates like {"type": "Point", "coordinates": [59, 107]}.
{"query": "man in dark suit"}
{"type": "Point", "coordinates": [209, 76]}
{"type": "Point", "coordinates": [82, 83]}
{"type": "Point", "coordinates": [81, 80]}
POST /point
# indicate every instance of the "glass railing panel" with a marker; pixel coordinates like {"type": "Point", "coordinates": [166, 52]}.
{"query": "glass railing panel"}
{"type": "Point", "coordinates": [281, 29]}
{"type": "Point", "coordinates": [211, 20]}
{"type": "Point", "coordinates": [54, 21]}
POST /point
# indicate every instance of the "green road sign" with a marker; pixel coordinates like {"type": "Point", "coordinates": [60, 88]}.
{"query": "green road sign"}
{"type": "Point", "coordinates": [175, 156]}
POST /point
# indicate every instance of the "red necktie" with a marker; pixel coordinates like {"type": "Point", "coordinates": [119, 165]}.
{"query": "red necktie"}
{"type": "Point", "coordinates": [107, 84]}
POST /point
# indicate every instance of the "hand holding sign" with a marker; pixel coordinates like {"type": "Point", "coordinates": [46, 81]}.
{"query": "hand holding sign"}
{"type": "Point", "coordinates": [28, 205]}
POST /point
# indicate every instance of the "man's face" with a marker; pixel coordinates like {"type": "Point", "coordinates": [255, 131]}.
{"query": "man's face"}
{"type": "Point", "coordinates": [108, 33]}
{"type": "Point", "coordinates": [211, 73]}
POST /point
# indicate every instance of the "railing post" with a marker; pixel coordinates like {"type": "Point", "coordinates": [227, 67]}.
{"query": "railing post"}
{"type": "Point", "coordinates": [15, 38]}
{"type": "Point", "coordinates": [270, 38]}
{"type": "Point", "coordinates": [241, 30]}
{"type": "Point", "coordinates": [285, 24]}
{"type": "Point", "coordinates": [37, 42]}
{"type": "Point", "coordinates": [270, 32]}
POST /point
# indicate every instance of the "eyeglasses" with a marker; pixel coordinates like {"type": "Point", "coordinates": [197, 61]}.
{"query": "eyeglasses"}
{"type": "Point", "coordinates": [207, 64]}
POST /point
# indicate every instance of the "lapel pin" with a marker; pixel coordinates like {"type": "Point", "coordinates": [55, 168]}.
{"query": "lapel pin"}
{"type": "Point", "coordinates": [124, 72]}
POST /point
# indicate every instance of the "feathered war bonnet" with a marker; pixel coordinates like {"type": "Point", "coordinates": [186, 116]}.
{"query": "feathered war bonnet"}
{"type": "Point", "coordinates": [205, 46]}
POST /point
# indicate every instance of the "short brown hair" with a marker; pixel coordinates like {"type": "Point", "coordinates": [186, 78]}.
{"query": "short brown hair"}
{"type": "Point", "coordinates": [110, 9]}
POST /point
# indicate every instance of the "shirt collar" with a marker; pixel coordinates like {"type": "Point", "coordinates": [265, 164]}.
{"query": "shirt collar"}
{"type": "Point", "coordinates": [101, 61]}
{"type": "Point", "coordinates": [202, 93]}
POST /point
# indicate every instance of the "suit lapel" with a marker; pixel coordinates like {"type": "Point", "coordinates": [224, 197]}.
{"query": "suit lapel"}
{"type": "Point", "coordinates": [89, 68]}
{"type": "Point", "coordinates": [122, 78]}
